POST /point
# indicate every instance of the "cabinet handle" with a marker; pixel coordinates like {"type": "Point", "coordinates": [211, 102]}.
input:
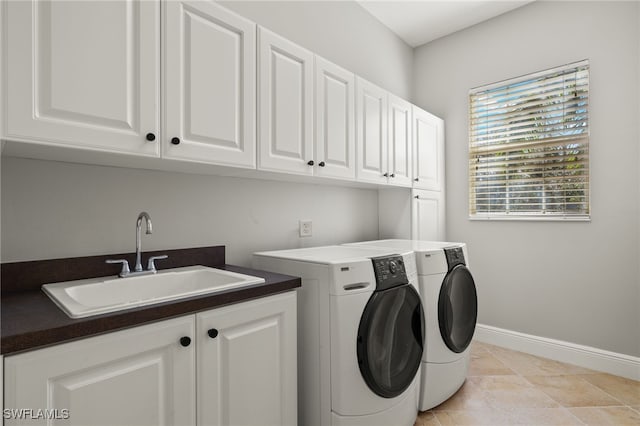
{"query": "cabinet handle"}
{"type": "Point", "coordinates": [151, 137]}
{"type": "Point", "coordinates": [416, 179]}
{"type": "Point", "coordinates": [386, 175]}
{"type": "Point", "coordinates": [310, 162]}
{"type": "Point", "coordinates": [213, 333]}
{"type": "Point", "coordinates": [175, 141]}
{"type": "Point", "coordinates": [185, 341]}
{"type": "Point", "coordinates": [321, 164]}
{"type": "Point", "coordinates": [393, 175]}
{"type": "Point", "coordinates": [417, 197]}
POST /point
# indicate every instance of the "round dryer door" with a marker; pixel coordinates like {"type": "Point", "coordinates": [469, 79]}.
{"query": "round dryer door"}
{"type": "Point", "coordinates": [458, 308]}
{"type": "Point", "coordinates": [391, 340]}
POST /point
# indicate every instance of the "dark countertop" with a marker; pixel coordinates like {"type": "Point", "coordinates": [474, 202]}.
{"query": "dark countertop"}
{"type": "Point", "coordinates": [31, 320]}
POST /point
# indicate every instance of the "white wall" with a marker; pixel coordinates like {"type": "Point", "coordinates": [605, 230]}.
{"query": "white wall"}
{"type": "Point", "coordinates": [57, 209]}
{"type": "Point", "coordinates": [394, 213]}
{"type": "Point", "coordinates": [577, 282]}
{"type": "Point", "coordinates": [342, 32]}
{"type": "Point", "coordinates": [52, 209]}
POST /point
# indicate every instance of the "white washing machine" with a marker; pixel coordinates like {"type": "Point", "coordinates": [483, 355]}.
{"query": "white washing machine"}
{"type": "Point", "coordinates": [360, 334]}
{"type": "Point", "coordinates": [450, 301]}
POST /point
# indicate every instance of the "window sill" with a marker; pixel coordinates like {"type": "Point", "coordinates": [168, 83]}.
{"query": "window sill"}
{"type": "Point", "coordinates": [530, 218]}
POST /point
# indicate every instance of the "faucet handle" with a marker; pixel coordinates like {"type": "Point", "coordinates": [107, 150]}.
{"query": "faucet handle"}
{"type": "Point", "coordinates": [152, 266]}
{"type": "Point", "coordinates": [125, 266]}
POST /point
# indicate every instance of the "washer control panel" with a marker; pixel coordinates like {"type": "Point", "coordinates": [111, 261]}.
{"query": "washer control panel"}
{"type": "Point", "coordinates": [455, 257]}
{"type": "Point", "coordinates": [389, 271]}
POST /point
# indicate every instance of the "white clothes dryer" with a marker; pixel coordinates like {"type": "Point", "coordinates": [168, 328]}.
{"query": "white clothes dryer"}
{"type": "Point", "coordinates": [450, 301]}
{"type": "Point", "coordinates": [360, 334]}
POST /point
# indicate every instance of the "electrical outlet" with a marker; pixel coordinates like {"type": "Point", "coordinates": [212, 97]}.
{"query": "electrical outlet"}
{"type": "Point", "coordinates": [306, 228]}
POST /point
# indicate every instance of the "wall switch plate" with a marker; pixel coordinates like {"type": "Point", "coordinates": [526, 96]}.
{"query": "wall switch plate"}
{"type": "Point", "coordinates": [306, 228]}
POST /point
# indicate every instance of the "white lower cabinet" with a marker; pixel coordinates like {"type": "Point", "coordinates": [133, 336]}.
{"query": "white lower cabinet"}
{"type": "Point", "coordinates": [1, 387]}
{"type": "Point", "coordinates": [247, 363]}
{"type": "Point", "coordinates": [427, 215]}
{"type": "Point", "coordinates": [140, 376]}
{"type": "Point", "coordinates": [158, 374]}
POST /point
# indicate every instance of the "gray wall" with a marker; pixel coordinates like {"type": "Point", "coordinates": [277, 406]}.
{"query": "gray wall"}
{"type": "Point", "coordinates": [52, 209]}
{"type": "Point", "coordinates": [57, 209]}
{"type": "Point", "coordinates": [342, 32]}
{"type": "Point", "coordinates": [577, 282]}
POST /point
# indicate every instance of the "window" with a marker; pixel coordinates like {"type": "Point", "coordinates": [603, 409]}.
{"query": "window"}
{"type": "Point", "coordinates": [529, 146]}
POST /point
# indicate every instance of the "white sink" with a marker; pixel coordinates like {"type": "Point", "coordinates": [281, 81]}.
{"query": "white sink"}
{"type": "Point", "coordinates": [94, 296]}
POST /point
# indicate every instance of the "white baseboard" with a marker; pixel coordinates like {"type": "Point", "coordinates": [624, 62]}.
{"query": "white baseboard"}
{"type": "Point", "coordinates": [558, 350]}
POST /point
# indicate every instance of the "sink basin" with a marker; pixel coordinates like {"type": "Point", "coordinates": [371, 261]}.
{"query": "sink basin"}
{"type": "Point", "coordinates": [94, 296]}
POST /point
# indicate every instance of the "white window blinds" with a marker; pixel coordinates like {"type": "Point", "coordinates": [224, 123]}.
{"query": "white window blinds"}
{"type": "Point", "coordinates": [529, 146]}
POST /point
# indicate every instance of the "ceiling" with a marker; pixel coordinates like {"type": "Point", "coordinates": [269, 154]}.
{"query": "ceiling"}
{"type": "Point", "coordinates": [418, 22]}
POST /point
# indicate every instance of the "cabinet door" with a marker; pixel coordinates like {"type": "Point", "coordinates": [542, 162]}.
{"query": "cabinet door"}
{"type": "Point", "coordinates": [285, 105]}
{"type": "Point", "coordinates": [428, 133]}
{"type": "Point", "coordinates": [247, 363]}
{"type": "Point", "coordinates": [83, 74]}
{"type": "Point", "coordinates": [371, 132]}
{"type": "Point", "coordinates": [335, 121]}
{"type": "Point", "coordinates": [140, 376]}
{"type": "Point", "coordinates": [427, 215]}
{"type": "Point", "coordinates": [1, 381]}
{"type": "Point", "coordinates": [400, 142]}
{"type": "Point", "coordinates": [209, 84]}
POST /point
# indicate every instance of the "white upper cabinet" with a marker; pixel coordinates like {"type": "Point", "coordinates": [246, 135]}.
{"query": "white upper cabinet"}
{"type": "Point", "coordinates": [189, 80]}
{"type": "Point", "coordinates": [209, 88]}
{"type": "Point", "coordinates": [371, 132]}
{"type": "Point", "coordinates": [335, 144]}
{"type": "Point", "coordinates": [428, 145]}
{"type": "Point", "coordinates": [285, 105]}
{"type": "Point", "coordinates": [384, 135]}
{"type": "Point", "coordinates": [400, 149]}
{"type": "Point", "coordinates": [140, 376]}
{"type": "Point", "coordinates": [83, 74]}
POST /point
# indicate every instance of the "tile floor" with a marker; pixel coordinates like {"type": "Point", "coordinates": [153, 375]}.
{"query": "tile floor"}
{"type": "Point", "coordinates": [506, 387]}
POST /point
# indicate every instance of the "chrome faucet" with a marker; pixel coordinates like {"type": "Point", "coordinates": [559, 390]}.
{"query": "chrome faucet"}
{"type": "Point", "coordinates": [147, 218]}
{"type": "Point", "coordinates": [137, 269]}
